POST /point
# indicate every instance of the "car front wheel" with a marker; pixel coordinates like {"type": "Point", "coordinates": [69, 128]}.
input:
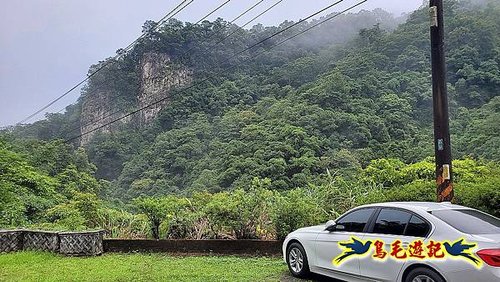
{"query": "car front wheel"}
{"type": "Point", "coordinates": [422, 274]}
{"type": "Point", "coordinates": [297, 260]}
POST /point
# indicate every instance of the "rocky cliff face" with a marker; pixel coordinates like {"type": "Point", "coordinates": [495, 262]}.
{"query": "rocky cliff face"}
{"type": "Point", "coordinates": [96, 111]}
{"type": "Point", "coordinates": [158, 77]}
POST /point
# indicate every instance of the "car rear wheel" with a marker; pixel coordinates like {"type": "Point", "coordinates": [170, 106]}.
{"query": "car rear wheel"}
{"type": "Point", "coordinates": [297, 260]}
{"type": "Point", "coordinates": [422, 274]}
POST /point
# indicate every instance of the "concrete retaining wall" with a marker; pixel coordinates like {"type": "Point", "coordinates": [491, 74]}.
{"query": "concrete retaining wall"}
{"type": "Point", "coordinates": [224, 247]}
{"type": "Point", "coordinates": [92, 243]}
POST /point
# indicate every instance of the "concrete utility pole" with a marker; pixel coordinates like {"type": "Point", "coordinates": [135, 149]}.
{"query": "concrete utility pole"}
{"type": "Point", "coordinates": [442, 144]}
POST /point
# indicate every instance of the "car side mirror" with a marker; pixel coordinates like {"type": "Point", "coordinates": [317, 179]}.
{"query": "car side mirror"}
{"type": "Point", "coordinates": [330, 225]}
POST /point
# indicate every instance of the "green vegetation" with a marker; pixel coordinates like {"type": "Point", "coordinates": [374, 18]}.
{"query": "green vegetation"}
{"type": "Point", "coordinates": [258, 212]}
{"type": "Point", "coordinates": [371, 101]}
{"type": "Point", "coordinates": [292, 137]}
{"type": "Point", "coordinates": [48, 185]}
{"type": "Point", "coordinates": [29, 266]}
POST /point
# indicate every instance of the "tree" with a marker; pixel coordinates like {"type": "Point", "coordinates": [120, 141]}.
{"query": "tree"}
{"type": "Point", "coordinates": [159, 210]}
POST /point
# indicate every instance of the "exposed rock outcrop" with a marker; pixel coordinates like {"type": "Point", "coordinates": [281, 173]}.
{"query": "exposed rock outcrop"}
{"type": "Point", "coordinates": [159, 77]}
{"type": "Point", "coordinates": [96, 111]}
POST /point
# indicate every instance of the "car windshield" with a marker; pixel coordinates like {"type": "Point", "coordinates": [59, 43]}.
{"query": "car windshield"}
{"type": "Point", "coordinates": [469, 221]}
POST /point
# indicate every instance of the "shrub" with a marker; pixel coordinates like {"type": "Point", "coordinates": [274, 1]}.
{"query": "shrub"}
{"type": "Point", "coordinates": [122, 224]}
{"type": "Point", "coordinates": [160, 210]}
{"type": "Point", "coordinates": [484, 195]}
{"type": "Point", "coordinates": [295, 209]}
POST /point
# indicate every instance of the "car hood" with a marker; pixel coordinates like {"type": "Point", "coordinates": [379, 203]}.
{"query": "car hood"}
{"type": "Point", "coordinates": [311, 229]}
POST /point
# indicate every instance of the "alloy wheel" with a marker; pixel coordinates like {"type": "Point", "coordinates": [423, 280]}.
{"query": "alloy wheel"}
{"type": "Point", "coordinates": [423, 278]}
{"type": "Point", "coordinates": [296, 259]}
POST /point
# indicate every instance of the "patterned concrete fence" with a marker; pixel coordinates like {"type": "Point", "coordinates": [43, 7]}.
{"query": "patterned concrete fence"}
{"type": "Point", "coordinates": [81, 244]}
{"type": "Point", "coordinates": [40, 241]}
{"type": "Point", "coordinates": [67, 243]}
{"type": "Point", "coordinates": [11, 241]}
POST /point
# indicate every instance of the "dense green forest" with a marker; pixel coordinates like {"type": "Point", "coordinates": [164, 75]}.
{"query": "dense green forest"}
{"type": "Point", "coordinates": [336, 117]}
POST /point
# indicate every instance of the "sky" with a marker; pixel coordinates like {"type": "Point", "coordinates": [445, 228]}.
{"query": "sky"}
{"type": "Point", "coordinates": [47, 46]}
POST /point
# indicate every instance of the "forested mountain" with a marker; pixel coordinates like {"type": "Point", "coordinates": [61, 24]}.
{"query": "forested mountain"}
{"type": "Point", "coordinates": [355, 89]}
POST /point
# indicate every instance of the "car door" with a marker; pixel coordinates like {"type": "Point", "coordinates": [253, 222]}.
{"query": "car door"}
{"type": "Point", "coordinates": [391, 225]}
{"type": "Point", "coordinates": [327, 246]}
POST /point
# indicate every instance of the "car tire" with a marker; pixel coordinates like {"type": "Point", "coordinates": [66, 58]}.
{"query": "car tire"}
{"type": "Point", "coordinates": [423, 274]}
{"type": "Point", "coordinates": [296, 259]}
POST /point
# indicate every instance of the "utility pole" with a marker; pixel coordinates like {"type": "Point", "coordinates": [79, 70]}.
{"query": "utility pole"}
{"type": "Point", "coordinates": [442, 145]}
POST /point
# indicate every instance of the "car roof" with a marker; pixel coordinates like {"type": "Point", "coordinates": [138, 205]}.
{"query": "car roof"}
{"type": "Point", "coordinates": [425, 206]}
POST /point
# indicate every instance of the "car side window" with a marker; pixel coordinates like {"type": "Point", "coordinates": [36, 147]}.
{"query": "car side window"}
{"type": "Point", "coordinates": [354, 221]}
{"type": "Point", "coordinates": [417, 227]}
{"type": "Point", "coordinates": [391, 221]}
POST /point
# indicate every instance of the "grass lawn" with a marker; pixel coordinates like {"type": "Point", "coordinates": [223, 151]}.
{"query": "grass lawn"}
{"type": "Point", "coordinates": [35, 266]}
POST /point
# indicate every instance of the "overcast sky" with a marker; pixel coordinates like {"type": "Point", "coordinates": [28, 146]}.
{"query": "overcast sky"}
{"type": "Point", "coordinates": [47, 46]}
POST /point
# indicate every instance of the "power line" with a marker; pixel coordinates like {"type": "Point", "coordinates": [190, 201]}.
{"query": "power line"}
{"type": "Point", "coordinates": [167, 17]}
{"type": "Point", "coordinates": [206, 79]}
{"type": "Point", "coordinates": [231, 22]}
{"type": "Point", "coordinates": [320, 23]}
{"type": "Point", "coordinates": [123, 51]}
{"type": "Point", "coordinates": [259, 42]}
{"type": "Point", "coordinates": [158, 24]}
{"type": "Point", "coordinates": [287, 28]}
{"type": "Point", "coordinates": [209, 14]}
{"type": "Point", "coordinates": [250, 21]}
{"type": "Point", "coordinates": [172, 13]}
{"type": "Point", "coordinates": [105, 116]}
{"type": "Point", "coordinates": [248, 10]}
